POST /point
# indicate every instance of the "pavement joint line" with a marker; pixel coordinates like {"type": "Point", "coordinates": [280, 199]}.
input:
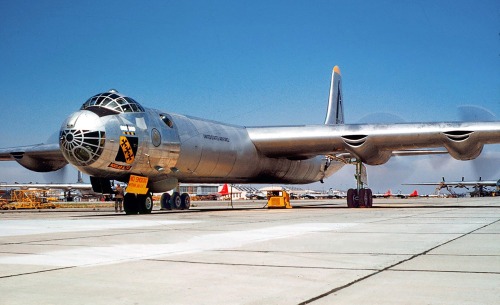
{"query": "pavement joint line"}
{"type": "Point", "coordinates": [54, 244]}
{"type": "Point", "coordinates": [311, 252]}
{"type": "Point", "coordinates": [403, 217]}
{"type": "Point", "coordinates": [459, 255]}
{"type": "Point", "coordinates": [17, 253]}
{"type": "Point", "coordinates": [72, 238]}
{"type": "Point", "coordinates": [422, 215]}
{"type": "Point", "coordinates": [258, 265]}
{"type": "Point", "coordinates": [395, 233]}
{"type": "Point", "coordinates": [35, 272]}
{"type": "Point", "coordinates": [446, 271]}
{"type": "Point", "coordinates": [391, 266]}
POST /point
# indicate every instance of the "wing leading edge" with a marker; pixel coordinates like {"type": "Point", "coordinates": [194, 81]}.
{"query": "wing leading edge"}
{"type": "Point", "coordinates": [39, 157]}
{"type": "Point", "coordinates": [374, 144]}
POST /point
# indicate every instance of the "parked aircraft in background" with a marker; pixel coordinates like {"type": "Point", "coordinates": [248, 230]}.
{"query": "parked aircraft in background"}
{"type": "Point", "coordinates": [224, 190]}
{"type": "Point", "coordinates": [330, 194]}
{"type": "Point", "coordinates": [478, 185]}
{"type": "Point", "coordinates": [411, 195]}
{"type": "Point", "coordinates": [113, 137]}
{"type": "Point", "coordinates": [69, 189]}
{"type": "Point", "coordinates": [389, 194]}
{"type": "Point", "coordinates": [257, 195]}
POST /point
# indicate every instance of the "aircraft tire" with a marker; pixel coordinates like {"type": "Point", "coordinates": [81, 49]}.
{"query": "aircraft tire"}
{"type": "Point", "coordinates": [186, 201]}
{"type": "Point", "coordinates": [364, 198]}
{"type": "Point", "coordinates": [165, 202]}
{"type": "Point", "coordinates": [130, 204]}
{"type": "Point", "coordinates": [176, 201]}
{"type": "Point", "coordinates": [369, 203]}
{"type": "Point", "coordinates": [352, 198]}
{"type": "Point", "coordinates": [145, 203]}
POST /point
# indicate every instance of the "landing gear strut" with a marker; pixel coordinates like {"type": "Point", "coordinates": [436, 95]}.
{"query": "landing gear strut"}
{"type": "Point", "coordinates": [360, 196]}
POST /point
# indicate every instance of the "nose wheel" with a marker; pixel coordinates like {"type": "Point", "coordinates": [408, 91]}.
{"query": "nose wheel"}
{"type": "Point", "coordinates": [360, 196]}
{"type": "Point", "coordinates": [137, 204]}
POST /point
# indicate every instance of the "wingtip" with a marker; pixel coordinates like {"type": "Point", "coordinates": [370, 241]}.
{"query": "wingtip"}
{"type": "Point", "coordinates": [336, 69]}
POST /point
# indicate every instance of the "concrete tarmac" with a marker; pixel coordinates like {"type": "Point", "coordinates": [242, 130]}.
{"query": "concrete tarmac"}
{"type": "Point", "coordinates": [413, 251]}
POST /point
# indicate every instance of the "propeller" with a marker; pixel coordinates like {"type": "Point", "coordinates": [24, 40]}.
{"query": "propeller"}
{"type": "Point", "coordinates": [486, 164]}
{"type": "Point", "coordinates": [60, 175]}
{"type": "Point", "coordinates": [381, 117]}
{"type": "Point", "coordinates": [471, 113]}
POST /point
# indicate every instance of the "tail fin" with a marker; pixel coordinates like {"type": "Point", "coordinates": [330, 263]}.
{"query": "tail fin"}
{"type": "Point", "coordinates": [335, 110]}
{"type": "Point", "coordinates": [414, 194]}
{"type": "Point", "coordinates": [224, 191]}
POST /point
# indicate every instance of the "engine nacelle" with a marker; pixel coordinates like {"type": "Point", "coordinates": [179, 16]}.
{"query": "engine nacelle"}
{"type": "Point", "coordinates": [462, 145]}
{"type": "Point", "coordinates": [163, 185]}
{"type": "Point", "coordinates": [38, 164]}
{"type": "Point", "coordinates": [365, 150]}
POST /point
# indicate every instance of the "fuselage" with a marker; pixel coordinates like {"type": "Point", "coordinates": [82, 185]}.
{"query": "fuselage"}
{"type": "Point", "coordinates": [169, 148]}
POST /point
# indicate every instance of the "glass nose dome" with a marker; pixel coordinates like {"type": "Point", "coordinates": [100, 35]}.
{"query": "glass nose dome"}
{"type": "Point", "coordinates": [113, 101]}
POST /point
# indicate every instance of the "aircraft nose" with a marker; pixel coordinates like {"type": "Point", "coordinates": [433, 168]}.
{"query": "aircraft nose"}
{"type": "Point", "coordinates": [82, 138]}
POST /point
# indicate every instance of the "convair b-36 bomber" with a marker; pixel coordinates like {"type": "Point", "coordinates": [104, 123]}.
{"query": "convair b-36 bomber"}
{"type": "Point", "coordinates": [113, 137]}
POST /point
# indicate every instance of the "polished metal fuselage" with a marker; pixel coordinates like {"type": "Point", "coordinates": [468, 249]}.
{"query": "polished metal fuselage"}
{"type": "Point", "coordinates": [188, 150]}
{"type": "Point", "coordinates": [171, 148]}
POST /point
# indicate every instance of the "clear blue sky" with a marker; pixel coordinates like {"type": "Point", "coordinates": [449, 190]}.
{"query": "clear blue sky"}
{"type": "Point", "coordinates": [250, 63]}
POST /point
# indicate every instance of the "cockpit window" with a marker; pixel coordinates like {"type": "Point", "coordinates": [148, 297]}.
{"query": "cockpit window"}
{"type": "Point", "coordinates": [114, 101]}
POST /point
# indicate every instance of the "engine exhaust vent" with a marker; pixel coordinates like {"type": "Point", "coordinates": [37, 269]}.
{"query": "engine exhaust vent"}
{"type": "Point", "coordinates": [458, 136]}
{"type": "Point", "coordinates": [355, 140]}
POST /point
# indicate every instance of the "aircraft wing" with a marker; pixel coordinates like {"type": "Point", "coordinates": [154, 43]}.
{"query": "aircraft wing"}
{"type": "Point", "coordinates": [47, 186]}
{"type": "Point", "coordinates": [374, 144]}
{"type": "Point", "coordinates": [50, 151]}
{"type": "Point", "coordinates": [39, 157]}
{"type": "Point", "coordinates": [459, 183]}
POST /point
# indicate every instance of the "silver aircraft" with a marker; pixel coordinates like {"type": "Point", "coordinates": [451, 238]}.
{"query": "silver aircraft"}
{"type": "Point", "coordinates": [478, 185]}
{"type": "Point", "coordinates": [113, 137]}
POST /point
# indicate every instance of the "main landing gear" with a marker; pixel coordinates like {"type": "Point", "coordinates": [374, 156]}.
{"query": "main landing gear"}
{"type": "Point", "coordinates": [176, 201]}
{"type": "Point", "coordinates": [135, 203]}
{"type": "Point", "coordinates": [360, 196]}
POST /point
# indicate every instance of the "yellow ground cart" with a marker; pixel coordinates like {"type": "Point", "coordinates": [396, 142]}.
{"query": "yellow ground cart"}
{"type": "Point", "coordinates": [278, 199]}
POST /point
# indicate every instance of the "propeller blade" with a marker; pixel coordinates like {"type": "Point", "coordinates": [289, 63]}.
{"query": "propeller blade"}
{"type": "Point", "coordinates": [471, 113]}
{"type": "Point", "coordinates": [58, 176]}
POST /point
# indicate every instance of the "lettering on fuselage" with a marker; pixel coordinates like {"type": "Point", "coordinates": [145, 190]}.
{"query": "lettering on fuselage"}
{"type": "Point", "coordinates": [215, 138]}
{"type": "Point", "coordinates": [120, 167]}
{"type": "Point", "coordinates": [128, 149]}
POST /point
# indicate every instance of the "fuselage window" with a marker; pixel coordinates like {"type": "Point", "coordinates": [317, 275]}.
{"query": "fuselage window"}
{"type": "Point", "coordinates": [167, 120]}
{"type": "Point", "coordinates": [114, 102]}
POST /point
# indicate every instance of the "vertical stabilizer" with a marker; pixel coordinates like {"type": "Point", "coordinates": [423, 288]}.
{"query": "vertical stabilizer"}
{"type": "Point", "coordinates": [224, 191]}
{"type": "Point", "coordinates": [335, 110]}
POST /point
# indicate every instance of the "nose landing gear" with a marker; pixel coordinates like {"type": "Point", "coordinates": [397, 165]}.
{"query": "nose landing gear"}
{"type": "Point", "coordinates": [360, 196]}
{"type": "Point", "coordinates": [134, 203]}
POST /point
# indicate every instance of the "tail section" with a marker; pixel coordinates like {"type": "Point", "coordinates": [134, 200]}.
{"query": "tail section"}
{"type": "Point", "coordinates": [335, 110]}
{"type": "Point", "coordinates": [414, 194]}
{"type": "Point", "coordinates": [224, 191]}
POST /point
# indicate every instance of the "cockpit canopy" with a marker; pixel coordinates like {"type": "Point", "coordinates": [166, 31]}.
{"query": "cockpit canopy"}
{"type": "Point", "coordinates": [114, 101]}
